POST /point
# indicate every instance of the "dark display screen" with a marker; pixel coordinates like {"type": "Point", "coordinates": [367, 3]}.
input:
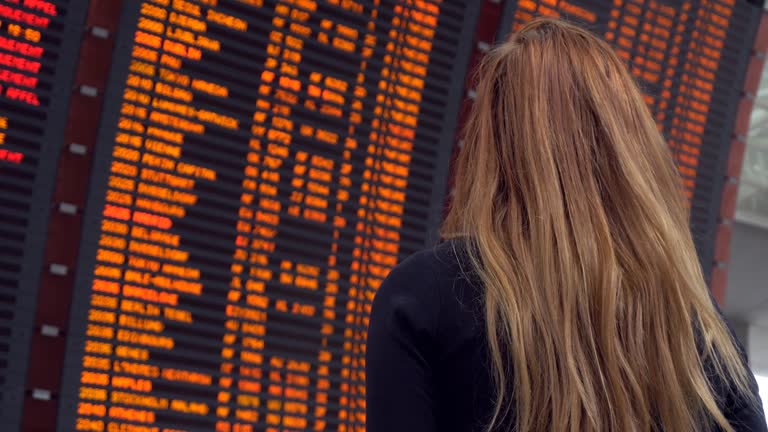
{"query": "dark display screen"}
{"type": "Point", "coordinates": [37, 53]}
{"type": "Point", "coordinates": [689, 57]}
{"type": "Point", "coordinates": [261, 166]}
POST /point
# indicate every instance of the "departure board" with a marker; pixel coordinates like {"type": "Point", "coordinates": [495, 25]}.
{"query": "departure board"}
{"type": "Point", "coordinates": [261, 166]}
{"type": "Point", "coordinates": [689, 58]}
{"type": "Point", "coordinates": [37, 53]}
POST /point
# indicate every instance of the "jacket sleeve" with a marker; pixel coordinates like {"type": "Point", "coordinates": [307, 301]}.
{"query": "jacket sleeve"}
{"type": "Point", "coordinates": [744, 413]}
{"type": "Point", "coordinates": [400, 349]}
{"type": "Point", "coordinates": [746, 416]}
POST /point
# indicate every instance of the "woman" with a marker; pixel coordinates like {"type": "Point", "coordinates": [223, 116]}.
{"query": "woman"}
{"type": "Point", "coordinates": [570, 296]}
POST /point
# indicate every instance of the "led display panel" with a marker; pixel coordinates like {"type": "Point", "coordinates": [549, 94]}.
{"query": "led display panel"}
{"type": "Point", "coordinates": [261, 166]}
{"type": "Point", "coordinates": [37, 52]}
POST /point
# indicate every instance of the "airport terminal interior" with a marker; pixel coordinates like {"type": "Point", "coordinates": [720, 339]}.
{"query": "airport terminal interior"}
{"type": "Point", "coordinates": [200, 198]}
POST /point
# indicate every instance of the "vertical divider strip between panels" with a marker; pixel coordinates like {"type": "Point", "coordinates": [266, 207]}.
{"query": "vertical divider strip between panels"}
{"type": "Point", "coordinates": [440, 195]}
{"type": "Point", "coordinates": [65, 227]}
{"type": "Point", "coordinates": [491, 26]}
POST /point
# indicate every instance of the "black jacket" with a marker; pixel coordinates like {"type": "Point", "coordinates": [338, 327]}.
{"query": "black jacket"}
{"type": "Point", "coordinates": [427, 367]}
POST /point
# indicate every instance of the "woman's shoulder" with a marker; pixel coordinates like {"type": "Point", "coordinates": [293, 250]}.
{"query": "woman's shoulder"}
{"type": "Point", "coordinates": [434, 287]}
{"type": "Point", "coordinates": [430, 271]}
{"type": "Point", "coordinates": [447, 256]}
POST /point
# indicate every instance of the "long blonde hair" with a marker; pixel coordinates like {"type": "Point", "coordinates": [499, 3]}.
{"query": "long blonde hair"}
{"type": "Point", "coordinates": [578, 230]}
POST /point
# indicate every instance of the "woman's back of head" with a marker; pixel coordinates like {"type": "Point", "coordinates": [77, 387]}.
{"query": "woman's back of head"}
{"type": "Point", "coordinates": [579, 231]}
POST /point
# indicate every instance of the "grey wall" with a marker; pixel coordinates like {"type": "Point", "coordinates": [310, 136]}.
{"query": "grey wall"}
{"type": "Point", "coordinates": [746, 296]}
